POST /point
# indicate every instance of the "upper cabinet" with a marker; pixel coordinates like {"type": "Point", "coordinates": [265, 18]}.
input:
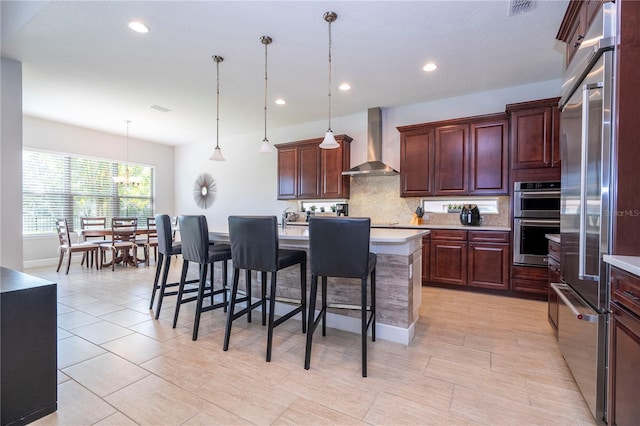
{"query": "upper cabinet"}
{"type": "Point", "coordinates": [466, 156]}
{"type": "Point", "coordinates": [307, 172]}
{"type": "Point", "coordinates": [575, 24]}
{"type": "Point", "coordinates": [535, 134]}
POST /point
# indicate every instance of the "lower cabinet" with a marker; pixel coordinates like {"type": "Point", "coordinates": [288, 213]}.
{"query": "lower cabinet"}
{"type": "Point", "coordinates": [426, 257]}
{"type": "Point", "coordinates": [530, 279]}
{"type": "Point", "coordinates": [470, 258]}
{"type": "Point", "coordinates": [624, 374]}
{"type": "Point", "coordinates": [623, 367]}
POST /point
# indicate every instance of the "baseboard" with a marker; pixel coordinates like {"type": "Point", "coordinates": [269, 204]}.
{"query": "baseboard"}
{"type": "Point", "coordinates": [38, 263]}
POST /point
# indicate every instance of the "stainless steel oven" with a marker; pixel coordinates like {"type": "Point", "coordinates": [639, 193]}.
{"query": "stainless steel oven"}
{"type": "Point", "coordinates": [536, 199]}
{"type": "Point", "coordinates": [530, 246]}
{"type": "Point", "coordinates": [536, 212]}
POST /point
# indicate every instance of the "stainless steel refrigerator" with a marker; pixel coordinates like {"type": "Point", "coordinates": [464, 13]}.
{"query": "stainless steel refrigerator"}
{"type": "Point", "coordinates": [586, 142]}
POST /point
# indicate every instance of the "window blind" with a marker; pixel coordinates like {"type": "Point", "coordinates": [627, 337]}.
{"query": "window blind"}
{"type": "Point", "coordinates": [58, 185]}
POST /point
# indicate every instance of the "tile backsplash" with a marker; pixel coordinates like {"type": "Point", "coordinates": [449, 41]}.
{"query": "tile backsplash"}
{"type": "Point", "coordinates": [378, 197]}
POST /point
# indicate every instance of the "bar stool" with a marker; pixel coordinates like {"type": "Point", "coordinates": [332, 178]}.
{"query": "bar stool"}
{"type": "Point", "coordinates": [194, 236]}
{"type": "Point", "coordinates": [255, 247]}
{"type": "Point", "coordinates": [339, 247]}
{"type": "Point", "coordinates": [166, 249]}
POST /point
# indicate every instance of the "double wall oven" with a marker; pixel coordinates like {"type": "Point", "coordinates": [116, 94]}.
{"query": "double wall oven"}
{"type": "Point", "coordinates": [536, 212]}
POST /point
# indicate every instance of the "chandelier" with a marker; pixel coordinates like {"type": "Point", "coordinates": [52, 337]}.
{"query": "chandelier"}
{"type": "Point", "coordinates": [127, 179]}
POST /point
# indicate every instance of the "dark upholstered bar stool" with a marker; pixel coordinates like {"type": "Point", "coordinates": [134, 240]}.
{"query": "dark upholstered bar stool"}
{"type": "Point", "coordinates": [194, 236]}
{"type": "Point", "coordinates": [339, 247]}
{"type": "Point", "coordinates": [166, 249]}
{"type": "Point", "coordinates": [255, 247]}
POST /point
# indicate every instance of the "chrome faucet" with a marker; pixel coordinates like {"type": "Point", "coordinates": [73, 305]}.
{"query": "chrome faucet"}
{"type": "Point", "coordinates": [287, 216]}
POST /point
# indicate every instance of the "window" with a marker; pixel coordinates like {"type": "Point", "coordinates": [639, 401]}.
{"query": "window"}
{"type": "Point", "coordinates": [59, 185]}
{"type": "Point", "coordinates": [454, 205]}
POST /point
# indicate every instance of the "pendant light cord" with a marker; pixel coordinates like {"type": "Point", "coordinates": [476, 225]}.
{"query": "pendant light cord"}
{"type": "Point", "coordinates": [329, 87]}
{"type": "Point", "coordinates": [217, 101]}
{"type": "Point", "coordinates": [265, 91]}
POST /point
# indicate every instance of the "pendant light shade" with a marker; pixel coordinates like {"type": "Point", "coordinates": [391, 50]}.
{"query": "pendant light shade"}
{"type": "Point", "coordinates": [217, 152]}
{"type": "Point", "coordinates": [329, 141]}
{"type": "Point", "coordinates": [265, 146]}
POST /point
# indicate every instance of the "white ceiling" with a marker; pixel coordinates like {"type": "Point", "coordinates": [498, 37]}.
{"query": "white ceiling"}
{"type": "Point", "coordinates": [83, 66]}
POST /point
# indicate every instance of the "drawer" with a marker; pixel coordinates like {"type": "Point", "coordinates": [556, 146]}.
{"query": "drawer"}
{"type": "Point", "coordinates": [529, 273]}
{"type": "Point", "coordinates": [625, 290]}
{"type": "Point", "coordinates": [489, 236]}
{"type": "Point", "coordinates": [554, 250]}
{"type": "Point", "coordinates": [448, 235]}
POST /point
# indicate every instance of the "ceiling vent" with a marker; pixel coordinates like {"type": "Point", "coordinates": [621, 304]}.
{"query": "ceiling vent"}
{"type": "Point", "coordinates": [518, 7]}
{"type": "Point", "coordinates": [159, 108]}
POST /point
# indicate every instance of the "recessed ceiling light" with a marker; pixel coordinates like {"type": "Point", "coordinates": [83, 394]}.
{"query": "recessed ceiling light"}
{"type": "Point", "coordinates": [344, 86]}
{"type": "Point", "coordinates": [280, 101]}
{"type": "Point", "coordinates": [430, 67]}
{"type": "Point", "coordinates": [138, 27]}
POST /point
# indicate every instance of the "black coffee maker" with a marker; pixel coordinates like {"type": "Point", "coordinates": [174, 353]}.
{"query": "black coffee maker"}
{"type": "Point", "coordinates": [342, 209]}
{"type": "Point", "coordinates": [470, 215]}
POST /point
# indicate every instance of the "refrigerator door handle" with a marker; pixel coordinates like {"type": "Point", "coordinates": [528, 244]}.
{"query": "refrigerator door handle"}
{"type": "Point", "coordinates": [579, 315]}
{"type": "Point", "coordinates": [584, 163]}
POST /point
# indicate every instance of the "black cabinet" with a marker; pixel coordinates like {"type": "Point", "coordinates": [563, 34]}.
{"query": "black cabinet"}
{"type": "Point", "coordinates": [28, 347]}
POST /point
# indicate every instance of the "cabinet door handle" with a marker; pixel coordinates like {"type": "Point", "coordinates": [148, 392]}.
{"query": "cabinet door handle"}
{"type": "Point", "coordinates": [631, 295]}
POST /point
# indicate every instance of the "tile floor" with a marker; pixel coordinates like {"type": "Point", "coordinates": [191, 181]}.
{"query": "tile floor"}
{"type": "Point", "coordinates": [476, 359]}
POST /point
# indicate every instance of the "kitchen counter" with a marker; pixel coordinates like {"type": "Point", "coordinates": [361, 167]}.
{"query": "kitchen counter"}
{"type": "Point", "coordinates": [426, 226]}
{"type": "Point", "coordinates": [630, 264]}
{"type": "Point", "coordinates": [398, 280]}
{"type": "Point", "coordinates": [553, 237]}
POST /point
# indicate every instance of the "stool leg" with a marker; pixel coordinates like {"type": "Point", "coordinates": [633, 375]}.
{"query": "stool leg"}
{"type": "Point", "coordinates": [248, 291]}
{"type": "Point", "coordinates": [272, 309]}
{"type": "Point", "coordinates": [232, 304]}
{"type": "Point", "coordinates": [263, 296]}
{"type": "Point", "coordinates": [324, 306]}
{"type": "Point", "coordinates": [363, 336]}
{"type": "Point", "coordinates": [212, 273]}
{"type": "Point", "coordinates": [303, 295]}
{"type": "Point", "coordinates": [163, 285]}
{"type": "Point", "coordinates": [310, 326]}
{"type": "Point", "coordinates": [373, 305]}
{"type": "Point", "coordinates": [225, 271]}
{"type": "Point", "coordinates": [155, 282]}
{"type": "Point", "coordinates": [201, 291]}
{"type": "Point", "coordinates": [183, 278]}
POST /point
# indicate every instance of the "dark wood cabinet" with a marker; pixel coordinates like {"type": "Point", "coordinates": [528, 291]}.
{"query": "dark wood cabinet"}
{"type": "Point", "coordinates": [530, 279]}
{"type": "Point", "coordinates": [466, 156]}
{"type": "Point", "coordinates": [470, 258]}
{"type": "Point", "coordinates": [426, 257]}
{"type": "Point", "coordinates": [624, 374]}
{"type": "Point", "coordinates": [451, 159]}
{"type": "Point", "coordinates": [448, 256]}
{"type": "Point", "coordinates": [535, 134]}
{"type": "Point", "coordinates": [488, 257]}
{"type": "Point", "coordinates": [307, 172]}
{"type": "Point", "coordinates": [575, 24]}
{"type": "Point", "coordinates": [416, 163]}
{"type": "Point", "coordinates": [287, 173]}
{"type": "Point", "coordinates": [488, 151]}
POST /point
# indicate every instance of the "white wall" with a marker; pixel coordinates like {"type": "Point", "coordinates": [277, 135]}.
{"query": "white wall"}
{"type": "Point", "coordinates": [59, 137]}
{"type": "Point", "coordinates": [11, 165]}
{"type": "Point", "coordinates": [246, 182]}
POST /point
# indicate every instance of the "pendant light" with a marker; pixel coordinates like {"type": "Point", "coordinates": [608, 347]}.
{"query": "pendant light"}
{"type": "Point", "coordinates": [329, 141]}
{"type": "Point", "coordinates": [265, 147]}
{"type": "Point", "coordinates": [127, 179]}
{"type": "Point", "coordinates": [217, 152]}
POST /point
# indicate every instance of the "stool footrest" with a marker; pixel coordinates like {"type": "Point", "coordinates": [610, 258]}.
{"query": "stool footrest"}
{"type": "Point", "coordinates": [288, 315]}
{"type": "Point", "coordinates": [346, 306]}
{"type": "Point", "coordinates": [237, 315]}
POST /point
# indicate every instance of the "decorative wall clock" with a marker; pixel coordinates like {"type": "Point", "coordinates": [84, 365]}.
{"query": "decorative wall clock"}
{"type": "Point", "coordinates": [204, 190]}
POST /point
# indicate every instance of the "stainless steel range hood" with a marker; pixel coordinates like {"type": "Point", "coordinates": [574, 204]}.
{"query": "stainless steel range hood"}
{"type": "Point", "coordinates": [373, 167]}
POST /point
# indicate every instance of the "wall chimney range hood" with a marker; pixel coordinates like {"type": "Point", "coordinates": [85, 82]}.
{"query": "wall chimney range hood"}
{"type": "Point", "coordinates": [373, 167]}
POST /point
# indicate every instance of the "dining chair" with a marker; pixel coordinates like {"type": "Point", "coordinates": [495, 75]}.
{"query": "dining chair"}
{"type": "Point", "coordinates": [123, 242]}
{"type": "Point", "coordinates": [152, 241]}
{"type": "Point", "coordinates": [66, 246]}
{"type": "Point", "coordinates": [195, 247]}
{"type": "Point", "coordinates": [89, 224]}
{"type": "Point", "coordinates": [255, 247]}
{"type": "Point", "coordinates": [339, 247]}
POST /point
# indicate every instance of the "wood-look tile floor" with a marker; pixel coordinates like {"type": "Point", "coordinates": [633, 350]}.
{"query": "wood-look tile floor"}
{"type": "Point", "coordinates": [476, 359]}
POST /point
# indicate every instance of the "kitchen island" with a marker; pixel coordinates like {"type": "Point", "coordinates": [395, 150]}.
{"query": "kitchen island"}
{"type": "Point", "coordinates": [398, 281]}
